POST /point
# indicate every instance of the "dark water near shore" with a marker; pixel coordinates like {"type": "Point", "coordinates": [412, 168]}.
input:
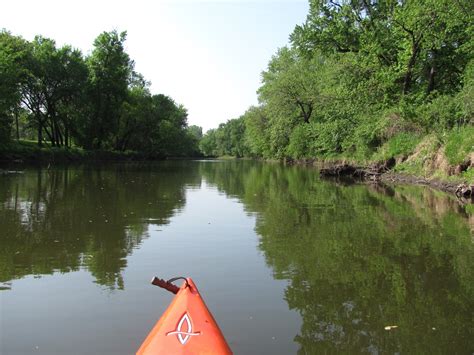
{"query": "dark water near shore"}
{"type": "Point", "coordinates": [286, 262]}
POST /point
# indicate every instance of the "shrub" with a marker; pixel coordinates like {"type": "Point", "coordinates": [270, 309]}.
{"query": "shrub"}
{"type": "Point", "coordinates": [441, 113]}
{"type": "Point", "coordinates": [300, 139]}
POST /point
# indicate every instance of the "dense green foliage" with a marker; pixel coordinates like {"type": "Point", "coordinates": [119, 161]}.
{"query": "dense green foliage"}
{"type": "Point", "coordinates": [97, 102]}
{"type": "Point", "coordinates": [364, 80]}
{"type": "Point", "coordinates": [227, 139]}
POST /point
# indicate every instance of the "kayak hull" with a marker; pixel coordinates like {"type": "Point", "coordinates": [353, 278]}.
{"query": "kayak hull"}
{"type": "Point", "coordinates": [186, 327]}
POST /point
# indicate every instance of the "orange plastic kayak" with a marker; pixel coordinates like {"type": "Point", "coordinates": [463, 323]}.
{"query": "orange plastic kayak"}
{"type": "Point", "coordinates": [186, 327]}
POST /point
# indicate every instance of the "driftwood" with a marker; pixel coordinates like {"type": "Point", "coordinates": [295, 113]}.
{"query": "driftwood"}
{"type": "Point", "coordinates": [465, 191]}
{"type": "Point", "coordinates": [372, 172]}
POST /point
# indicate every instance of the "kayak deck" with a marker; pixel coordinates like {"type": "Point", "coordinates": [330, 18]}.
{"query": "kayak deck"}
{"type": "Point", "coordinates": [186, 327]}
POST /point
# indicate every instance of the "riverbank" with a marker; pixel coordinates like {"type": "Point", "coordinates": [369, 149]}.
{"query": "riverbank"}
{"type": "Point", "coordinates": [442, 165]}
{"type": "Point", "coordinates": [30, 152]}
{"type": "Point", "coordinates": [378, 172]}
{"type": "Point", "coordinates": [461, 187]}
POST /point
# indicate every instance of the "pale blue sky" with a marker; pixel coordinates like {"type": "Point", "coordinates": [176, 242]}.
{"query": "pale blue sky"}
{"type": "Point", "coordinates": [207, 55]}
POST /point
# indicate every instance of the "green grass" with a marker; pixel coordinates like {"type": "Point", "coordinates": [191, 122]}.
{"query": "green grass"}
{"type": "Point", "coordinates": [470, 209]}
{"type": "Point", "coordinates": [468, 175]}
{"type": "Point", "coordinates": [459, 144]}
{"type": "Point", "coordinates": [399, 145]}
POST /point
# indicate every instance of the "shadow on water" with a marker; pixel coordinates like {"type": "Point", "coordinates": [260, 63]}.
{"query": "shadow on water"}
{"type": "Point", "coordinates": [371, 268]}
{"type": "Point", "coordinates": [89, 217]}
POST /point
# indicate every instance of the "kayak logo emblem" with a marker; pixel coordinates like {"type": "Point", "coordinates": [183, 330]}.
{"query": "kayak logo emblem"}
{"type": "Point", "coordinates": [184, 330]}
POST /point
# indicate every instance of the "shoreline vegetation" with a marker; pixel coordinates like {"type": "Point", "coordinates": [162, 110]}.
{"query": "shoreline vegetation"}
{"type": "Point", "coordinates": [385, 89]}
{"type": "Point", "coordinates": [381, 173]}
{"type": "Point", "coordinates": [78, 106]}
{"type": "Point", "coordinates": [371, 86]}
{"type": "Point", "coordinates": [30, 153]}
{"type": "Point", "coordinates": [21, 153]}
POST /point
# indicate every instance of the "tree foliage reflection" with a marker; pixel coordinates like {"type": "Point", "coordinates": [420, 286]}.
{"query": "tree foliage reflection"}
{"type": "Point", "coordinates": [360, 258]}
{"type": "Point", "coordinates": [66, 219]}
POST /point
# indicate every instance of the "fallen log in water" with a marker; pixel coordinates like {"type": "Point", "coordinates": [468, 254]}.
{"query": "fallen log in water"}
{"type": "Point", "coordinates": [372, 172]}
{"type": "Point", "coordinates": [346, 170]}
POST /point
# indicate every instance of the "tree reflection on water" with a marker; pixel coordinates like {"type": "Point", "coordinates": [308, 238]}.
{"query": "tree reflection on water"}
{"type": "Point", "coordinates": [90, 217]}
{"type": "Point", "coordinates": [360, 258]}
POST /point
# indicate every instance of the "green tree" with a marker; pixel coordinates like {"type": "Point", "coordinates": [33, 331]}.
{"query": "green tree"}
{"type": "Point", "coordinates": [208, 144]}
{"type": "Point", "coordinates": [359, 73]}
{"type": "Point", "coordinates": [12, 56]}
{"type": "Point", "coordinates": [257, 131]}
{"type": "Point", "coordinates": [228, 139]}
{"type": "Point", "coordinates": [110, 70]}
{"type": "Point", "coordinates": [410, 42]}
{"type": "Point", "coordinates": [172, 127]}
{"type": "Point", "coordinates": [193, 137]}
{"type": "Point", "coordinates": [52, 89]}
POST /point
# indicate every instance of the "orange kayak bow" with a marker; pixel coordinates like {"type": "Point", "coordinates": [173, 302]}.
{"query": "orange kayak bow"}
{"type": "Point", "coordinates": [186, 327]}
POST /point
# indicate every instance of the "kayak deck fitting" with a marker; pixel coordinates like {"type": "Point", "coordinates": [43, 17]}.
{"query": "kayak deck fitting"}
{"type": "Point", "coordinates": [186, 327]}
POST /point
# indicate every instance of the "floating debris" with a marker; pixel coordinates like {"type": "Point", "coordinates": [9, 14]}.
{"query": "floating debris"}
{"type": "Point", "coordinates": [390, 327]}
{"type": "Point", "coordinates": [5, 172]}
{"type": "Point", "coordinates": [5, 286]}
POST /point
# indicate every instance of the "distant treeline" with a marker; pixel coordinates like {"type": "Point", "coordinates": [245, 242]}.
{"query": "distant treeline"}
{"type": "Point", "coordinates": [97, 102]}
{"type": "Point", "coordinates": [363, 80]}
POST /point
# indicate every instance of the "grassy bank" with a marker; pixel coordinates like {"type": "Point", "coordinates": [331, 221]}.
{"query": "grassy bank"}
{"type": "Point", "coordinates": [30, 152]}
{"type": "Point", "coordinates": [446, 158]}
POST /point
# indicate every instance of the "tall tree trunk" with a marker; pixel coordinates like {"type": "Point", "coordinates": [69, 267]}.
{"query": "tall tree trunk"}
{"type": "Point", "coordinates": [305, 114]}
{"type": "Point", "coordinates": [40, 132]}
{"type": "Point", "coordinates": [55, 129]}
{"type": "Point", "coordinates": [60, 138]}
{"type": "Point", "coordinates": [431, 80]}
{"type": "Point", "coordinates": [54, 132]}
{"type": "Point", "coordinates": [50, 135]}
{"type": "Point", "coordinates": [415, 49]}
{"type": "Point", "coordinates": [431, 77]}
{"type": "Point", "coordinates": [17, 125]}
